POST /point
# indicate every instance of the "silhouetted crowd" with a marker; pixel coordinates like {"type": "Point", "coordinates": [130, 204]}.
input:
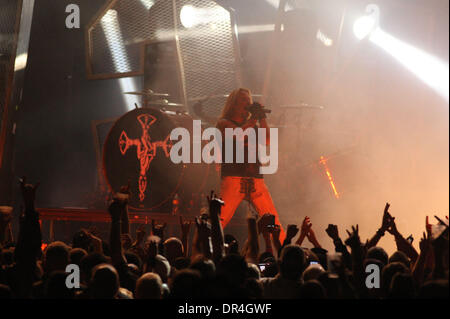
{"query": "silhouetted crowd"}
{"type": "Point", "coordinates": [214, 265]}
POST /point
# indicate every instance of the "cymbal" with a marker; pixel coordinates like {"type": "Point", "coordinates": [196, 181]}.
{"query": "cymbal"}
{"type": "Point", "coordinates": [302, 106]}
{"type": "Point", "coordinates": [164, 103]}
{"type": "Point", "coordinates": [215, 96]}
{"type": "Point", "coordinates": [148, 93]}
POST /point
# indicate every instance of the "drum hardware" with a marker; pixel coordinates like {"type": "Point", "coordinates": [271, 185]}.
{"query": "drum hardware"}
{"type": "Point", "coordinates": [148, 93]}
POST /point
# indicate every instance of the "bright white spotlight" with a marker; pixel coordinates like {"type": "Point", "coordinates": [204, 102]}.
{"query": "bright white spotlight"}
{"type": "Point", "coordinates": [147, 3]}
{"type": "Point", "coordinates": [191, 16]}
{"type": "Point", "coordinates": [276, 3]}
{"type": "Point", "coordinates": [363, 26]}
{"type": "Point", "coordinates": [368, 23]}
{"type": "Point", "coordinates": [21, 62]}
{"type": "Point", "coordinates": [188, 16]}
{"type": "Point", "coordinates": [427, 68]}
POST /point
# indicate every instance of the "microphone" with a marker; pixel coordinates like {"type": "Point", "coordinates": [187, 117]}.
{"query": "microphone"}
{"type": "Point", "coordinates": [257, 110]}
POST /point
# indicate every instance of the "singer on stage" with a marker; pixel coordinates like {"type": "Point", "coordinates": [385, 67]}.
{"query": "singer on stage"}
{"type": "Point", "coordinates": [241, 181]}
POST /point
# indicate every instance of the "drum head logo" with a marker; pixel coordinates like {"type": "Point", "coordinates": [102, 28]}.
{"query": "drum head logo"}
{"type": "Point", "coordinates": [138, 149]}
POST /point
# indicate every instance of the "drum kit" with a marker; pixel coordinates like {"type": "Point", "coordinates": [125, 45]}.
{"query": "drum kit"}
{"type": "Point", "coordinates": [138, 145]}
{"type": "Point", "coordinates": [161, 102]}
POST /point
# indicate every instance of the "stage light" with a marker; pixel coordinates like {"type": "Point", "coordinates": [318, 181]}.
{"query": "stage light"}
{"type": "Point", "coordinates": [111, 28]}
{"type": "Point", "coordinates": [429, 69]}
{"type": "Point", "coordinates": [147, 3]}
{"type": "Point", "coordinates": [191, 16]}
{"type": "Point", "coordinates": [276, 3]}
{"type": "Point", "coordinates": [368, 23]}
{"type": "Point", "coordinates": [322, 37]}
{"type": "Point", "coordinates": [188, 16]}
{"type": "Point", "coordinates": [363, 26]}
{"type": "Point", "coordinates": [21, 62]}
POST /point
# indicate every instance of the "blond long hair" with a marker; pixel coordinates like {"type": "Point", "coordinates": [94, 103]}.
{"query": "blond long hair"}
{"type": "Point", "coordinates": [228, 109]}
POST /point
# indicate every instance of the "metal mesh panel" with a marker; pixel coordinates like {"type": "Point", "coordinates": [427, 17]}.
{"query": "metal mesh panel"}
{"type": "Point", "coordinates": [8, 11]}
{"type": "Point", "coordinates": [115, 40]}
{"type": "Point", "coordinates": [208, 54]}
{"type": "Point", "coordinates": [207, 49]}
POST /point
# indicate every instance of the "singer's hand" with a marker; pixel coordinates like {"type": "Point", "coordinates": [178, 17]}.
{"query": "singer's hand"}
{"type": "Point", "coordinates": [258, 112]}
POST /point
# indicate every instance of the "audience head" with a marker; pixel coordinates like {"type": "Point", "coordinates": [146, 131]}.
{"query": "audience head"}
{"type": "Point", "coordinates": [204, 266]}
{"type": "Point", "coordinates": [104, 282]}
{"type": "Point", "coordinates": [186, 284]}
{"type": "Point", "coordinates": [253, 271]}
{"type": "Point", "coordinates": [173, 248]}
{"type": "Point", "coordinates": [233, 268]}
{"type": "Point", "coordinates": [88, 262]}
{"type": "Point", "coordinates": [56, 257]}
{"type": "Point", "coordinates": [5, 292]}
{"type": "Point", "coordinates": [402, 287]}
{"type": "Point", "coordinates": [76, 254]}
{"type": "Point", "coordinates": [400, 256]}
{"type": "Point", "coordinates": [312, 272]}
{"type": "Point", "coordinates": [149, 286]}
{"type": "Point", "coordinates": [312, 289]}
{"type": "Point", "coordinates": [378, 253]}
{"type": "Point", "coordinates": [162, 267]}
{"type": "Point", "coordinates": [435, 289]}
{"type": "Point", "coordinates": [56, 288]}
{"type": "Point", "coordinates": [388, 273]}
{"type": "Point", "coordinates": [181, 263]}
{"type": "Point", "coordinates": [292, 262]}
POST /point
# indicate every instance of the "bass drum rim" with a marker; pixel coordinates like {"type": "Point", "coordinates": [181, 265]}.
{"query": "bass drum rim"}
{"type": "Point", "coordinates": [170, 196]}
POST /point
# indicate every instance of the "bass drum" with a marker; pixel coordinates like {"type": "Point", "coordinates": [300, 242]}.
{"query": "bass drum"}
{"type": "Point", "coordinates": [137, 150]}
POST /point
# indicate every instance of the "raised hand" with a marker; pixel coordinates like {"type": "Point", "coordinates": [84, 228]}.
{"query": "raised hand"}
{"type": "Point", "coordinates": [392, 229]}
{"type": "Point", "coordinates": [387, 219]}
{"type": "Point", "coordinates": [264, 221]}
{"type": "Point", "coordinates": [140, 234]}
{"type": "Point", "coordinates": [332, 231]}
{"type": "Point", "coordinates": [5, 218]}
{"type": "Point", "coordinates": [276, 231]}
{"type": "Point", "coordinates": [231, 248]}
{"type": "Point", "coordinates": [428, 226]}
{"type": "Point", "coordinates": [353, 237]}
{"type": "Point", "coordinates": [185, 227]}
{"type": "Point", "coordinates": [151, 247]}
{"type": "Point", "coordinates": [203, 228]}
{"type": "Point", "coordinates": [292, 231]}
{"type": "Point", "coordinates": [215, 204]}
{"type": "Point", "coordinates": [126, 241]}
{"type": "Point", "coordinates": [124, 193]}
{"type": "Point", "coordinates": [28, 193]}
{"type": "Point", "coordinates": [158, 229]}
{"type": "Point", "coordinates": [441, 222]}
{"type": "Point", "coordinates": [306, 226]}
{"type": "Point", "coordinates": [96, 242]}
{"type": "Point", "coordinates": [440, 244]}
{"type": "Point", "coordinates": [313, 239]}
{"type": "Point", "coordinates": [425, 243]}
{"type": "Point", "coordinates": [115, 210]}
